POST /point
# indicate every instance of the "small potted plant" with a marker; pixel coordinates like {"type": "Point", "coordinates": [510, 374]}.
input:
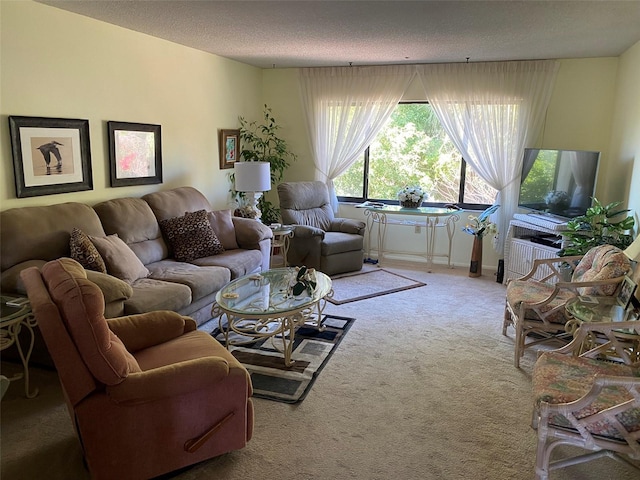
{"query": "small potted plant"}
{"type": "Point", "coordinates": [411, 196]}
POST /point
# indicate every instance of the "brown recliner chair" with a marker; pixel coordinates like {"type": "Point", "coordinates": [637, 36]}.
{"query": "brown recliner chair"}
{"type": "Point", "coordinates": [147, 393]}
{"type": "Point", "coordinates": [321, 241]}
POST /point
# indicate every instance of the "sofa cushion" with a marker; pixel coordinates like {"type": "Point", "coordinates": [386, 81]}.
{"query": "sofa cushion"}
{"type": "Point", "coordinates": [191, 236]}
{"type": "Point", "coordinates": [339, 242]}
{"type": "Point", "coordinates": [201, 280]}
{"type": "Point", "coordinates": [222, 225]}
{"type": "Point", "coordinates": [238, 262]}
{"type": "Point", "coordinates": [120, 260]}
{"type": "Point", "coordinates": [84, 251]}
{"type": "Point", "coordinates": [150, 294]}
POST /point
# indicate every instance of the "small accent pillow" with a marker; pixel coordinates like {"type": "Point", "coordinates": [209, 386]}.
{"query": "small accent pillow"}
{"type": "Point", "coordinates": [84, 252]}
{"type": "Point", "coordinates": [191, 236]}
{"type": "Point", "coordinates": [120, 260]}
{"type": "Point", "coordinates": [222, 225]}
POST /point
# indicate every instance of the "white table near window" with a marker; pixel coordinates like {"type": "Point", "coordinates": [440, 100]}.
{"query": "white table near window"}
{"type": "Point", "coordinates": [429, 218]}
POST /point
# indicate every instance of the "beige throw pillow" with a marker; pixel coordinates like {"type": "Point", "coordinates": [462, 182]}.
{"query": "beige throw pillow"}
{"type": "Point", "coordinates": [222, 225]}
{"type": "Point", "coordinates": [120, 260]}
{"type": "Point", "coordinates": [84, 252]}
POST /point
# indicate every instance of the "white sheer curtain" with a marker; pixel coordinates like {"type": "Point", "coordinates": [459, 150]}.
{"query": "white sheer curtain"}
{"type": "Point", "coordinates": [492, 111]}
{"type": "Point", "coordinates": [345, 108]}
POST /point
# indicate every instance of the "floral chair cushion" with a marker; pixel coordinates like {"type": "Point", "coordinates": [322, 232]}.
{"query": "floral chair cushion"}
{"type": "Point", "coordinates": [531, 291]}
{"type": "Point", "coordinates": [560, 378]}
{"type": "Point", "coordinates": [601, 263]}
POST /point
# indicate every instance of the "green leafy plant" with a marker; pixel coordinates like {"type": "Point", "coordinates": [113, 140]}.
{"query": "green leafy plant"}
{"type": "Point", "coordinates": [261, 143]}
{"type": "Point", "coordinates": [601, 225]}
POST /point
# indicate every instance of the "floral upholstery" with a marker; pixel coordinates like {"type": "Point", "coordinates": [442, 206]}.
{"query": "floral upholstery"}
{"type": "Point", "coordinates": [560, 378]}
{"type": "Point", "coordinates": [531, 291]}
{"type": "Point", "coordinates": [601, 263]}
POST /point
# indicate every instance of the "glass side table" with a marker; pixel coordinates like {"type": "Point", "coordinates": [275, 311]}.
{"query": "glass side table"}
{"type": "Point", "coordinates": [593, 309]}
{"type": "Point", "coordinates": [280, 245]}
{"type": "Point", "coordinates": [12, 321]}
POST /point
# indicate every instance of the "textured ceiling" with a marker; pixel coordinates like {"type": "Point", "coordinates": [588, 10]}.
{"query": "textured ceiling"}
{"type": "Point", "coordinates": [331, 33]}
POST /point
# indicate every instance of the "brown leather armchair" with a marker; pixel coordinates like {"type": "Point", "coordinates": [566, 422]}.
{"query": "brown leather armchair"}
{"type": "Point", "coordinates": [321, 241]}
{"type": "Point", "coordinates": [147, 393]}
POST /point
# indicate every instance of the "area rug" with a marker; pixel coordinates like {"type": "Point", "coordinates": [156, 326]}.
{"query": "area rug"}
{"type": "Point", "coordinates": [369, 284]}
{"type": "Point", "coordinates": [312, 350]}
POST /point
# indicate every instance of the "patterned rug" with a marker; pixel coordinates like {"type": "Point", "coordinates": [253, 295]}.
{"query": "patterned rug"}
{"type": "Point", "coordinates": [369, 284]}
{"type": "Point", "coordinates": [311, 351]}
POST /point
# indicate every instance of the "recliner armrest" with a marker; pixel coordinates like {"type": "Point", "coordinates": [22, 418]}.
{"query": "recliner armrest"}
{"type": "Point", "coordinates": [152, 328]}
{"type": "Point", "coordinates": [169, 380]}
{"type": "Point", "coordinates": [348, 225]}
{"type": "Point", "coordinates": [307, 231]}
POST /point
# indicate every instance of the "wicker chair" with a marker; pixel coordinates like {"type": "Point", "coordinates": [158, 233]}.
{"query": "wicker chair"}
{"type": "Point", "coordinates": [591, 399]}
{"type": "Point", "coordinates": [536, 308]}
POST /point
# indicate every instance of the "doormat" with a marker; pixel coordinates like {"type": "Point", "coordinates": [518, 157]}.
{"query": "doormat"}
{"type": "Point", "coordinates": [369, 284]}
{"type": "Point", "coordinates": [312, 350]}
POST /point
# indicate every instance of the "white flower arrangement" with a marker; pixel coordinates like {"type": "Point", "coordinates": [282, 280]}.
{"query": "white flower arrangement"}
{"type": "Point", "coordinates": [482, 224]}
{"type": "Point", "coordinates": [413, 194]}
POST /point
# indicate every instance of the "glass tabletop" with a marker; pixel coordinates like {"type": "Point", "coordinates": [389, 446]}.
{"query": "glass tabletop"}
{"type": "Point", "coordinates": [422, 211]}
{"type": "Point", "coordinates": [268, 293]}
{"type": "Point", "coordinates": [596, 309]}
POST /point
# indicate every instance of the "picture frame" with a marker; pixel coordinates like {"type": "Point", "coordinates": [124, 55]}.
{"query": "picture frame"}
{"type": "Point", "coordinates": [50, 155]}
{"type": "Point", "coordinates": [135, 153]}
{"type": "Point", "coordinates": [229, 142]}
{"type": "Point", "coordinates": [625, 292]}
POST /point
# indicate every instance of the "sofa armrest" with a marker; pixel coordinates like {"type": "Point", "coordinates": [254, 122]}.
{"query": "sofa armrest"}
{"type": "Point", "coordinates": [250, 232]}
{"type": "Point", "coordinates": [348, 225]}
{"type": "Point", "coordinates": [147, 329]}
{"type": "Point", "coordinates": [112, 287]}
{"type": "Point", "coordinates": [169, 380]}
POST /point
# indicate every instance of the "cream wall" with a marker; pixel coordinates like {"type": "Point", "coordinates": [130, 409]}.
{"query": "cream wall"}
{"type": "Point", "coordinates": [623, 174]}
{"type": "Point", "coordinates": [59, 64]}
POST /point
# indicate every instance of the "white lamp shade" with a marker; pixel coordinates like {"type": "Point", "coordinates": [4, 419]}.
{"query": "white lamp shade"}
{"type": "Point", "coordinates": [252, 176]}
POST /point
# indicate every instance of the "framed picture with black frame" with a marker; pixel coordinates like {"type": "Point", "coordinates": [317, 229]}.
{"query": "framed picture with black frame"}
{"type": "Point", "coordinates": [626, 292]}
{"type": "Point", "coordinates": [135, 153]}
{"type": "Point", "coordinates": [50, 155]}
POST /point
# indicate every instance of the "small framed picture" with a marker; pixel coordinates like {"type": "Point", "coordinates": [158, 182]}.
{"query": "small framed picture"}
{"type": "Point", "coordinates": [50, 155]}
{"type": "Point", "coordinates": [625, 292]}
{"type": "Point", "coordinates": [135, 153]}
{"type": "Point", "coordinates": [229, 142]}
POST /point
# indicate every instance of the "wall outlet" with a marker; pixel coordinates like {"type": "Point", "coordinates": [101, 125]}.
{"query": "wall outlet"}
{"type": "Point", "coordinates": [418, 229]}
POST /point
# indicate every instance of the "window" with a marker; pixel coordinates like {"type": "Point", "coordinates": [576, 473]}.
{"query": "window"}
{"type": "Point", "coordinates": [413, 149]}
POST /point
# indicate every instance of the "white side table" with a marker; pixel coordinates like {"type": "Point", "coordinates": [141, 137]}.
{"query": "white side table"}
{"type": "Point", "coordinates": [280, 245]}
{"type": "Point", "coordinates": [12, 321]}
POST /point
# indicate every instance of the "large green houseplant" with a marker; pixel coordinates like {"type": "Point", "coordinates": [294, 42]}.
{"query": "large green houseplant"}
{"type": "Point", "coordinates": [600, 225]}
{"type": "Point", "coordinates": [260, 143]}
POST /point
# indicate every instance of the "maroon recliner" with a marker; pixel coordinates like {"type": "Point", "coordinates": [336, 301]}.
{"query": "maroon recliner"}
{"type": "Point", "coordinates": [148, 393]}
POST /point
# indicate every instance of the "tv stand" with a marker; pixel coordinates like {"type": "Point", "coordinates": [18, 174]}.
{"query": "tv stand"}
{"type": "Point", "coordinates": [526, 242]}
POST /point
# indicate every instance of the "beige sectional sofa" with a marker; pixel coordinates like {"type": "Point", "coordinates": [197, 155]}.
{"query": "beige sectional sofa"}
{"type": "Point", "coordinates": [150, 276]}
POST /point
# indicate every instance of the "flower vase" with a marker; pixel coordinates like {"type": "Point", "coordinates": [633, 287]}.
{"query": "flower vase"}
{"type": "Point", "coordinates": [475, 268]}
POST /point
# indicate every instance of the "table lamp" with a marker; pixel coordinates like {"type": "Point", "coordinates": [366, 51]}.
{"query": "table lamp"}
{"type": "Point", "coordinates": [252, 178]}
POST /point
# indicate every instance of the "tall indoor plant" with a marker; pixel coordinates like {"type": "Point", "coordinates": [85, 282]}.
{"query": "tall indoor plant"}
{"type": "Point", "coordinates": [260, 143]}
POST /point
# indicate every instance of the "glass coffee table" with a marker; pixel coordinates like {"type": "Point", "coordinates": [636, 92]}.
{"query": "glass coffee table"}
{"type": "Point", "coordinates": [261, 305]}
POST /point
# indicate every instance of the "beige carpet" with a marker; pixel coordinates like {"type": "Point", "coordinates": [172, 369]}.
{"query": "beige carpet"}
{"type": "Point", "coordinates": [423, 387]}
{"type": "Point", "coordinates": [369, 283]}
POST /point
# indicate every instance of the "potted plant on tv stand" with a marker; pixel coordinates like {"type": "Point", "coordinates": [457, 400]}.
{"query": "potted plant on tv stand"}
{"type": "Point", "coordinates": [600, 225]}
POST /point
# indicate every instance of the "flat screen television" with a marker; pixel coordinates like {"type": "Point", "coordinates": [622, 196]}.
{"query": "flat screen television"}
{"type": "Point", "coordinates": [558, 182]}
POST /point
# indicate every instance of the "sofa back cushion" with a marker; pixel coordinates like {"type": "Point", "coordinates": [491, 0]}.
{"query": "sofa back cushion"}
{"type": "Point", "coordinates": [42, 233]}
{"type": "Point", "coordinates": [176, 202]}
{"type": "Point", "coordinates": [136, 225]}
{"type": "Point", "coordinates": [81, 306]}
